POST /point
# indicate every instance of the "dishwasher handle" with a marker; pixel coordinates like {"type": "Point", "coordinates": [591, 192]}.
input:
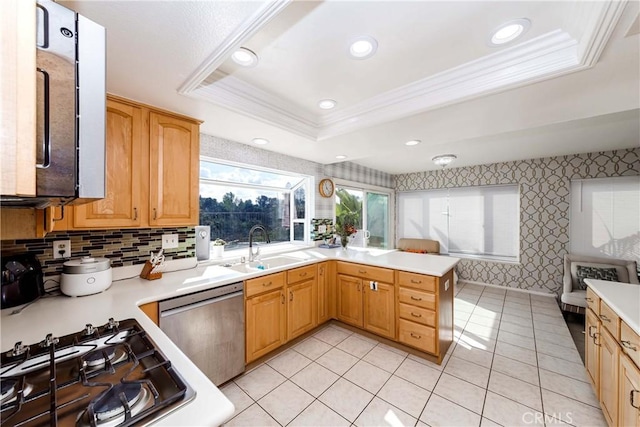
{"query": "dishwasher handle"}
{"type": "Point", "coordinates": [178, 310]}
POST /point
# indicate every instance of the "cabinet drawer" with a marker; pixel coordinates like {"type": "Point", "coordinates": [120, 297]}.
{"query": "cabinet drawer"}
{"type": "Point", "coordinates": [417, 298]}
{"type": "Point", "coordinates": [264, 284]}
{"type": "Point", "coordinates": [302, 273]}
{"type": "Point", "coordinates": [417, 314]}
{"type": "Point", "coordinates": [630, 342]}
{"type": "Point", "coordinates": [609, 319]}
{"type": "Point", "coordinates": [366, 272]}
{"type": "Point", "coordinates": [418, 336]}
{"type": "Point", "coordinates": [593, 301]}
{"type": "Point", "coordinates": [418, 281]}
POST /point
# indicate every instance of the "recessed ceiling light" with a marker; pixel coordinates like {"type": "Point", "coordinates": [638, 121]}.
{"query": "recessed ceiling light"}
{"type": "Point", "coordinates": [341, 157]}
{"type": "Point", "coordinates": [413, 142]}
{"type": "Point", "coordinates": [363, 47]}
{"type": "Point", "coordinates": [509, 31]}
{"type": "Point", "coordinates": [327, 104]}
{"type": "Point", "coordinates": [245, 57]}
{"type": "Point", "coordinates": [260, 141]}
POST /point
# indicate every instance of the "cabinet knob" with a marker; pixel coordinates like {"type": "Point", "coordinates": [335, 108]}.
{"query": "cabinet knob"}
{"type": "Point", "coordinates": [627, 344]}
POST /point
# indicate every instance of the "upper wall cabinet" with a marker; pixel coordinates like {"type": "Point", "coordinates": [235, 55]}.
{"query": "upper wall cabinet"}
{"type": "Point", "coordinates": [18, 98]}
{"type": "Point", "coordinates": [152, 170]}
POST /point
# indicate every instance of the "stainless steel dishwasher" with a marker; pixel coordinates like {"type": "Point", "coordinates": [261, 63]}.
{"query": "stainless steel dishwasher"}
{"type": "Point", "coordinates": [208, 327]}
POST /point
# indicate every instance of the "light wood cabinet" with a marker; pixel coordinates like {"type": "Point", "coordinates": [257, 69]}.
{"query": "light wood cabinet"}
{"type": "Point", "coordinates": [349, 300]}
{"type": "Point", "coordinates": [609, 355]}
{"type": "Point", "coordinates": [379, 310]}
{"type": "Point", "coordinates": [591, 352]}
{"type": "Point", "coordinates": [152, 311]}
{"type": "Point", "coordinates": [265, 323]}
{"type": "Point", "coordinates": [425, 313]}
{"type": "Point", "coordinates": [174, 159]}
{"type": "Point", "coordinates": [324, 292]}
{"type": "Point", "coordinates": [628, 393]}
{"type": "Point", "coordinates": [152, 171]}
{"type": "Point", "coordinates": [615, 376]}
{"type": "Point", "coordinates": [301, 308]}
{"type": "Point", "coordinates": [122, 205]}
{"type": "Point", "coordinates": [18, 99]}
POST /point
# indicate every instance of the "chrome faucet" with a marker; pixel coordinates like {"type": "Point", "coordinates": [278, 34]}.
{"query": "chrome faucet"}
{"type": "Point", "coordinates": [254, 256]}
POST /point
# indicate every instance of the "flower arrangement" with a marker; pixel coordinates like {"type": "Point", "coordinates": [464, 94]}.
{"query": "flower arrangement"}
{"type": "Point", "coordinates": [346, 227]}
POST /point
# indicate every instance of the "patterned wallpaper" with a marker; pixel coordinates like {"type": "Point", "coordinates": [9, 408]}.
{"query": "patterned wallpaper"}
{"type": "Point", "coordinates": [123, 247]}
{"type": "Point", "coordinates": [544, 210]}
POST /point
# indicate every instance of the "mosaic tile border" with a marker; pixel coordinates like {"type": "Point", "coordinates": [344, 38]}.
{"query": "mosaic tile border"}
{"type": "Point", "coordinates": [123, 246]}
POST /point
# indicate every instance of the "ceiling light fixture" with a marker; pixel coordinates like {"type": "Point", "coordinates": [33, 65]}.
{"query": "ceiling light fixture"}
{"type": "Point", "coordinates": [444, 159]}
{"type": "Point", "coordinates": [509, 31]}
{"type": "Point", "coordinates": [327, 104]}
{"type": "Point", "coordinates": [363, 47]}
{"type": "Point", "coordinates": [413, 142]}
{"type": "Point", "coordinates": [341, 157]}
{"type": "Point", "coordinates": [245, 57]}
{"type": "Point", "coordinates": [260, 141]}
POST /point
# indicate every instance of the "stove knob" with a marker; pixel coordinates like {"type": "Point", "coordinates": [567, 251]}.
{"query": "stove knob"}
{"type": "Point", "coordinates": [49, 340]}
{"type": "Point", "coordinates": [89, 329]}
{"type": "Point", "coordinates": [112, 324]}
{"type": "Point", "coordinates": [18, 349]}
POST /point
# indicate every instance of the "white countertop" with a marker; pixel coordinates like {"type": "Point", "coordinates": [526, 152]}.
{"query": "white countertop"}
{"type": "Point", "coordinates": [623, 298]}
{"type": "Point", "coordinates": [63, 315]}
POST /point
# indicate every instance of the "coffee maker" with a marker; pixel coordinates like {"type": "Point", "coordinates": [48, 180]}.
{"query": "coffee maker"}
{"type": "Point", "coordinates": [22, 280]}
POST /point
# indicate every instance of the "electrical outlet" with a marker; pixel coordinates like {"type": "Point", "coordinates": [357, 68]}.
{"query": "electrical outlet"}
{"type": "Point", "coordinates": [61, 249]}
{"type": "Point", "coordinates": [170, 241]}
{"type": "Point", "coordinates": [446, 285]}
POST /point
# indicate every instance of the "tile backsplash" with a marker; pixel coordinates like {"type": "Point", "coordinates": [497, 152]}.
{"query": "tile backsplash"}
{"type": "Point", "coordinates": [123, 247]}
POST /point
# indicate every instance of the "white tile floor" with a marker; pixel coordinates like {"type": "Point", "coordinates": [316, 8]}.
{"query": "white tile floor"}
{"type": "Point", "coordinates": [513, 363]}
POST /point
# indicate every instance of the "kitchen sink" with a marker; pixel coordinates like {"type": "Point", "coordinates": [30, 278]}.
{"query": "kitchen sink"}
{"type": "Point", "coordinates": [265, 264]}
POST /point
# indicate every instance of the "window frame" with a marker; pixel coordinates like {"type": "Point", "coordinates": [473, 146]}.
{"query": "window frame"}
{"type": "Point", "coordinates": [306, 182]}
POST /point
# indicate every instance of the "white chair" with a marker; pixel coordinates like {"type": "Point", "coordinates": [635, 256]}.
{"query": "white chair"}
{"type": "Point", "coordinates": [573, 299]}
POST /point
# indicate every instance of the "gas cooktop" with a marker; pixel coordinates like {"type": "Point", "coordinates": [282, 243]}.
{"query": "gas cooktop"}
{"type": "Point", "coordinates": [111, 375]}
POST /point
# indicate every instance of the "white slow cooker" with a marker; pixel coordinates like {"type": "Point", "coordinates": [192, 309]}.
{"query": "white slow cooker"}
{"type": "Point", "coordinates": [85, 276]}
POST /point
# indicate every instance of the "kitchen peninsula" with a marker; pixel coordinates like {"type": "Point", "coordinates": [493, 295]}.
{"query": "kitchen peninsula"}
{"type": "Point", "coordinates": [61, 315]}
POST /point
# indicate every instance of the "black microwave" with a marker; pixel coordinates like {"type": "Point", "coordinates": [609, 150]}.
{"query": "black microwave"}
{"type": "Point", "coordinates": [22, 280]}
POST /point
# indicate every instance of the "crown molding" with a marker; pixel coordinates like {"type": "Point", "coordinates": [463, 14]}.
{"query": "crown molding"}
{"type": "Point", "coordinates": [547, 56]}
{"type": "Point", "coordinates": [233, 41]}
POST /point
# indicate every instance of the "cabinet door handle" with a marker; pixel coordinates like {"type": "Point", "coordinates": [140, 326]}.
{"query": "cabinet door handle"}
{"type": "Point", "coordinates": [589, 331]}
{"type": "Point", "coordinates": [416, 336]}
{"type": "Point", "coordinates": [135, 213]}
{"type": "Point", "coordinates": [362, 271]}
{"type": "Point", "coordinates": [155, 213]}
{"type": "Point", "coordinates": [416, 299]}
{"type": "Point", "coordinates": [589, 299]}
{"type": "Point", "coordinates": [595, 337]}
{"type": "Point", "coordinates": [290, 296]}
{"type": "Point", "coordinates": [358, 287]}
{"type": "Point", "coordinates": [627, 344]}
{"type": "Point", "coordinates": [303, 274]}
{"type": "Point", "coordinates": [282, 297]}
{"type": "Point", "coordinates": [416, 314]}
{"type": "Point", "coordinates": [46, 122]}
{"type": "Point", "coordinates": [605, 318]}
{"type": "Point", "coordinates": [632, 400]}
{"type": "Point", "coordinates": [321, 271]}
{"type": "Point", "coordinates": [266, 284]}
{"type": "Point", "coordinates": [416, 281]}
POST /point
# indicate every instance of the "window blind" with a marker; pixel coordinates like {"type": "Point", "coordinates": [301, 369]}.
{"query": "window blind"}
{"type": "Point", "coordinates": [605, 217]}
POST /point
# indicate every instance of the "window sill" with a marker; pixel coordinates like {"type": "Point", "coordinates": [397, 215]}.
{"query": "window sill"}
{"type": "Point", "coordinates": [486, 258]}
{"type": "Point", "coordinates": [266, 250]}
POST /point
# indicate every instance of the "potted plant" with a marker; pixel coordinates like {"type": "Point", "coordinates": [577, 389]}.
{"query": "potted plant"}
{"type": "Point", "coordinates": [217, 248]}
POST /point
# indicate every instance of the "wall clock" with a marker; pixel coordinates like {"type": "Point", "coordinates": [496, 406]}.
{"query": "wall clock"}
{"type": "Point", "coordinates": [326, 187]}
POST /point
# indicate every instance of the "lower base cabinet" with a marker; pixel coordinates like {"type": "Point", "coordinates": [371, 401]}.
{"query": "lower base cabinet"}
{"type": "Point", "coordinates": [609, 356]}
{"type": "Point", "coordinates": [301, 308]}
{"type": "Point", "coordinates": [628, 393]}
{"type": "Point", "coordinates": [379, 310]}
{"type": "Point", "coordinates": [266, 324]}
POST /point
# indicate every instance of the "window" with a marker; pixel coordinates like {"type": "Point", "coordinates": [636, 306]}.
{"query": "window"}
{"type": "Point", "coordinates": [467, 221]}
{"type": "Point", "coordinates": [371, 211]}
{"type": "Point", "coordinates": [605, 217]}
{"type": "Point", "coordinates": [233, 198]}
